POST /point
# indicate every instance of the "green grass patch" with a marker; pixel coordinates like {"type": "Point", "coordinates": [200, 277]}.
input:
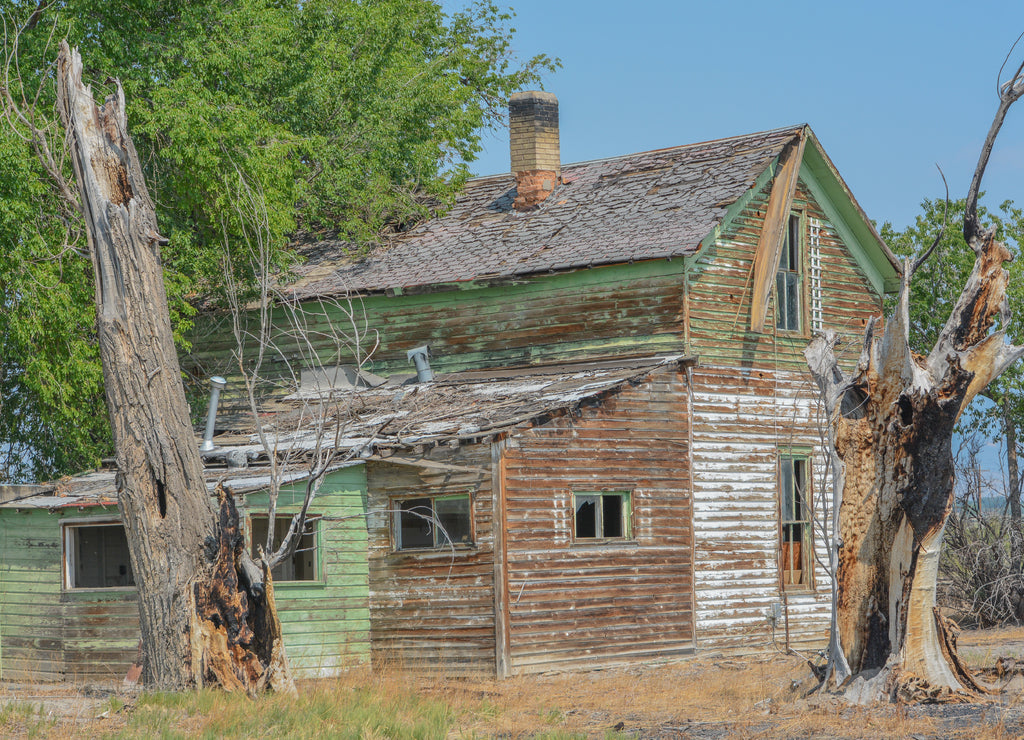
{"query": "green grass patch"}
{"type": "Point", "coordinates": [317, 712]}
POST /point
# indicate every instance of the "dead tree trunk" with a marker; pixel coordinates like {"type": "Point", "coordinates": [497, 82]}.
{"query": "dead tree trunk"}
{"type": "Point", "coordinates": [196, 620]}
{"type": "Point", "coordinates": [890, 431]}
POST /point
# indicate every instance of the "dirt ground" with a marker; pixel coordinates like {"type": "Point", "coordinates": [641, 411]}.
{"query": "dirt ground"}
{"type": "Point", "coordinates": [705, 697]}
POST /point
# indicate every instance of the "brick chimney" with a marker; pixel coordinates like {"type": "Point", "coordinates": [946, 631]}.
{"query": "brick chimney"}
{"type": "Point", "coordinates": [533, 139]}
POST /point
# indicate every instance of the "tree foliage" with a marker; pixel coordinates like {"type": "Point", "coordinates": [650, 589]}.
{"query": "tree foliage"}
{"type": "Point", "coordinates": [939, 280]}
{"type": "Point", "coordinates": [348, 117]}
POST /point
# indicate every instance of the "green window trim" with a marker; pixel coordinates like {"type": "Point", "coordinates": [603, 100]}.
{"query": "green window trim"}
{"type": "Point", "coordinates": [796, 542]}
{"type": "Point", "coordinates": [306, 563]}
{"type": "Point", "coordinates": [600, 516]}
{"type": "Point", "coordinates": [789, 278]}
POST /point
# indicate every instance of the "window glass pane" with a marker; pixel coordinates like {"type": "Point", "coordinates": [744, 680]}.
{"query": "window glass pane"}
{"type": "Point", "coordinates": [301, 566]}
{"type": "Point", "coordinates": [793, 243]}
{"type": "Point", "coordinates": [792, 301]}
{"type": "Point", "coordinates": [416, 528]}
{"type": "Point", "coordinates": [611, 515]}
{"type": "Point", "coordinates": [453, 515]}
{"type": "Point", "coordinates": [586, 516]}
{"type": "Point", "coordinates": [787, 489]}
{"type": "Point", "coordinates": [101, 557]}
{"type": "Point", "coordinates": [799, 481]}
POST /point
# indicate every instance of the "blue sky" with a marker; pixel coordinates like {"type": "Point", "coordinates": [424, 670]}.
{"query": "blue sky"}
{"type": "Point", "coordinates": [890, 88]}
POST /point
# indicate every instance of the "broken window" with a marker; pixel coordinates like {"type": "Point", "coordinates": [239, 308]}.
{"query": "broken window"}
{"type": "Point", "coordinates": [302, 565]}
{"type": "Point", "coordinates": [604, 515]}
{"type": "Point", "coordinates": [432, 522]}
{"type": "Point", "coordinates": [787, 279]}
{"type": "Point", "coordinates": [795, 521]}
{"type": "Point", "coordinates": [96, 556]}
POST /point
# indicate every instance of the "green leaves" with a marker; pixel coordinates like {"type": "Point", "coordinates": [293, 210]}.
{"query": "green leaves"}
{"type": "Point", "coordinates": [350, 118]}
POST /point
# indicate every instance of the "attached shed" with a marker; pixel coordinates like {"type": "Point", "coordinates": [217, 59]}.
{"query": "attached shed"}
{"type": "Point", "coordinates": [68, 608]}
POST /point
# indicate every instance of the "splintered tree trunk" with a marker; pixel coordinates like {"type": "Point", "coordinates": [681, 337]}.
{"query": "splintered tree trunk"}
{"type": "Point", "coordinates": [196, 619]}
{"type": "Point", "coordinates": [890, 436]}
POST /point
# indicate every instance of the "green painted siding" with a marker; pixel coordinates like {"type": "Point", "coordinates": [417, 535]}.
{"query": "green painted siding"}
{"type": "Point", "coordinates": [326, 623]}
{"type": "Point", "coordinates": [720, 289]}
{"type": "Point", "coordinates": [621, 310]}
{"type": "Point", "coordinates": [49, 634]}
{"type": "Point", "coordinates": [613, 311]}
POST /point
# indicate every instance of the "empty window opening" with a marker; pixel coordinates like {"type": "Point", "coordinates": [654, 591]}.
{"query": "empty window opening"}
{"type": "Point", "coordinates": [96, 556]}
{"type": "Point", "coordinates": [787, 279]}
{"type": "Point", "coordinates": [302, 565]}
{"type": "Point", "coordinates": [432, 522]}
{"type": "Point", "coordinates": [796, 522]}
{"type": "Point", "coordinates": [601, 515]}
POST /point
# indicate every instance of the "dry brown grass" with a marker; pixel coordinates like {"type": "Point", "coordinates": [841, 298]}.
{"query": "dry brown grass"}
{"type": "Point", "coordinates": [701, 698]}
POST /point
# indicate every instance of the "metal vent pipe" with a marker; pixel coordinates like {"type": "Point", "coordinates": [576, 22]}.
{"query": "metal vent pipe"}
{"type": "Point", "coordinates": [217, 384]}
{"type": "Point", "coordinates": [420, 357]}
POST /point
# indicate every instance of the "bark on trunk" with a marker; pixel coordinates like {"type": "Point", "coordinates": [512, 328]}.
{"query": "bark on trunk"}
{"type": "Point", "coordinates": [892, 424]}
{"type": "Point", "coordinates": [890, 433]}
{"type": "Point", "coordinates": [181, 563]}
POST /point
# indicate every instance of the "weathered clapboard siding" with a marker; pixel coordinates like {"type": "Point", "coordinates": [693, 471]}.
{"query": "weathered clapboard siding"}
{"type": "Point", "coordinates": [621, 310]}
{"type": "Point", "coordinates": [741, 424]}
{"type": "Point", "coordinates": [50, 633]}
{"type": "Point", "coordinates": [575, 604]}
{"type": "Point", "coordinates": [326, 623]}
{"type": "Point", "coordinates": [47, 633]}
{"type": "Point", "coordinates": [720, 288]}
{"type": "Point", "coordinates": [433, 609]}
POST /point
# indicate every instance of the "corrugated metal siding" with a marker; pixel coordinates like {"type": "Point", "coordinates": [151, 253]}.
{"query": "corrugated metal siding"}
{"type": "Point", "coordinates": [433, 609]}
{"type": "Point", "coordinates": [326, 624]}
{"type": "Point", "coordinates": [47, 634]}
{"type": "Point", "coordinates": [575, 605]}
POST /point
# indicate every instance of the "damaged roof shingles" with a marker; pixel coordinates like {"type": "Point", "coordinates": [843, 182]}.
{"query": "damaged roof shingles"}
{"type": "Point", "coordinates": [642, 206]}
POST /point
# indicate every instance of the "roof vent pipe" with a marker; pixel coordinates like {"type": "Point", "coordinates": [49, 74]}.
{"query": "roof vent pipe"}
{"type": "Point", "coordinates": [217, 384]}
{"type": "Point", "coordinates": [420, 357]}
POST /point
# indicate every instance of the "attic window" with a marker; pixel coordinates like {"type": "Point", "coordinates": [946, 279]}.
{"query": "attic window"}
{"type": "Point", "coordinates": [96, 556]}
{"type": "Point", "coordinates": [788, 278]}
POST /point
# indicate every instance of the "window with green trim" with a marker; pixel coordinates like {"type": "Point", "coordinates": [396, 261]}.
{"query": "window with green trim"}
{"type": "Point", "coordinates": [302, 565]}
{"type": "Point", "coordinates": [788, 279]}
{"type": "Point", "coordinates": [432, 522]}
{"type": "Point", "coordinates": [602, 515]}
{"type": "Point", "coordinates": [795, 511]}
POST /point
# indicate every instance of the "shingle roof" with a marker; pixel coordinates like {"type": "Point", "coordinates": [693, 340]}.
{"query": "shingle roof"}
{"type": "Point", "coordinates": [640, 206]}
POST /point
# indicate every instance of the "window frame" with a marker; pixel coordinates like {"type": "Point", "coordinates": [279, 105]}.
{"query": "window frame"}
{"type": "Point", "coordinates": [627, 521]}
{"type": "Point", "coordinates": [796, 267]}
{"type": "Point", "coordinates": [68, 530]}
{"type": "Point", "coordinates": [439, 545]}
{"type": "Point", "coordinates": [312, 520]}
{"type": "Point", "coordinates": [804, 522]}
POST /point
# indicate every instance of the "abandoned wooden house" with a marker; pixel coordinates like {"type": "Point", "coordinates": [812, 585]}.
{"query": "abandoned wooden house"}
{"type": "Point", "coordinates": [613, 456]}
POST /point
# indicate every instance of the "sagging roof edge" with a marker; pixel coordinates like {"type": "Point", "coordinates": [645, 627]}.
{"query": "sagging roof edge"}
{"type": "Point", "coordinates": [254, 484]}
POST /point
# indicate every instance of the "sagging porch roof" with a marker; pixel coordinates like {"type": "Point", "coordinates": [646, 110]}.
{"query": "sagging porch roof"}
{"type": "Point", "coordinates": [374, 423]}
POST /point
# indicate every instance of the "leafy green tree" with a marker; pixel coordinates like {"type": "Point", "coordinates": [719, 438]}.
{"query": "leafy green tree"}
{"type": "Point", "coordinates": [934, 291]}
{"type": "Point", "coordinates": [348, 118]}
